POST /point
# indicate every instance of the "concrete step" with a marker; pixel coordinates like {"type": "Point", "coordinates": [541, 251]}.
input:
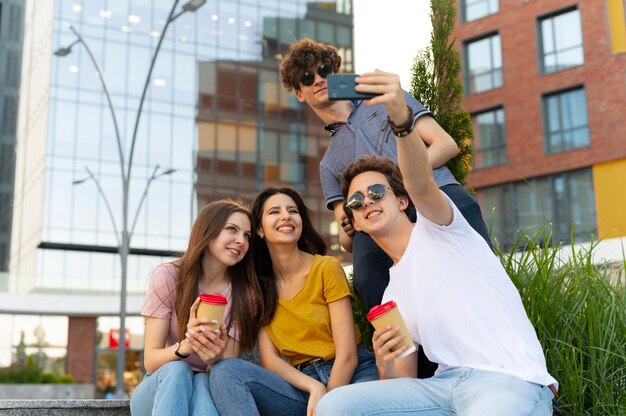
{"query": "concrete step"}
{"type": "Point", "coordinates": [93, 407]}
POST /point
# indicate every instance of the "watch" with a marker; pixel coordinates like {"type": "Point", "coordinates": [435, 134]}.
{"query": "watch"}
{"type": "Point", "coordinates": [179, 354]}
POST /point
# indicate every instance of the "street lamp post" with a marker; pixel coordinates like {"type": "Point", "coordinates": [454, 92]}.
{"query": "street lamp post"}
{"type": "Point", "coordinates": [126, 167]}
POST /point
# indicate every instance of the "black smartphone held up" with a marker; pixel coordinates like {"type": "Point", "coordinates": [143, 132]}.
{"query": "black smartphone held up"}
{"type": "Point", "coordinates": [341, 87]}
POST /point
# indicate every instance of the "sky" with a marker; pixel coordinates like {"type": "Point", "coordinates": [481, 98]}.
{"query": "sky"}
{"type": "Point", "coordinates": [406, 30]}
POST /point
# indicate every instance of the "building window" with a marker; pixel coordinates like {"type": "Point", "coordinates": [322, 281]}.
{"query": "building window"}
{"type": "Point", "coordinates": [565, 121]}
{"type": "Point", "coordinates": [555, 203]}
{"type": "Point", "coordinates": [475, 9]}
{"type": "Point", "coordinates": [484, 64]}
{"type": "Point", "coordinates": [489, 138]}
{"type": "Point", "coordinates": [561, 44]}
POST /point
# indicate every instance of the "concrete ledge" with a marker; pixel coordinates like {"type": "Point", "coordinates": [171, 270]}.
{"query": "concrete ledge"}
{"type": "Point", "coordinates": [78, 391]}
{"type": "Point", "coordinates": [92, 407]}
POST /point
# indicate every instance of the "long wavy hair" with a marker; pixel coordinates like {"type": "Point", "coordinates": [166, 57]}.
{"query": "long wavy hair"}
{"type": "Point", "coordinates": [310, 242]}
{"type": "Point", "coordinates": [246, 292]}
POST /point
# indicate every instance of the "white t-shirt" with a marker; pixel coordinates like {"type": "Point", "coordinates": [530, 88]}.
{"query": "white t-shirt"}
{"type": "Point", "coordinates": [461, 306]}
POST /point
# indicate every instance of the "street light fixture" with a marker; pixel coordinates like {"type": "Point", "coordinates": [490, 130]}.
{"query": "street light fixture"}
{"type": "Point", "coordinates": [126, 167]}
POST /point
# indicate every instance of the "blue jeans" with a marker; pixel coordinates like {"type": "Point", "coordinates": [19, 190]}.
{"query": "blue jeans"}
{"type": "Point", "coordinates": [242, 388]}
{"type": "Point", "coordinates": [173, 390]}
{"type": "Point", "coordinates": [458, 391]}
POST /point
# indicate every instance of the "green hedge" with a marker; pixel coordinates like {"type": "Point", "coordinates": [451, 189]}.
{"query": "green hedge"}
{"type": "Point", "coordinates": [29, 373]}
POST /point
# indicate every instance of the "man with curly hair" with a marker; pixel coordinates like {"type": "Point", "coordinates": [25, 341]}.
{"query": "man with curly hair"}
{"type": "Point", "coordinates": [357, 129]}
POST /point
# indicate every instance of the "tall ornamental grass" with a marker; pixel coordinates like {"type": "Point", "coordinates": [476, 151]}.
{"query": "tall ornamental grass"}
{"type": "Point", "coordinates": [578, 309]}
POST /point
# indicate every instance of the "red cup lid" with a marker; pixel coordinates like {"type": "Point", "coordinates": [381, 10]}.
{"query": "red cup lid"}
{"type": "Point", "coordinates": [379, 310]}
{"type": "Point", "coordinates": [213, 298]}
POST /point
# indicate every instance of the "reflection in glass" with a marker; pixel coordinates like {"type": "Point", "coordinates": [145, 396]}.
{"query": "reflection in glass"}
{"type": "Point", "coordinates": [490, 142]}
{"type": "Point", "coordinates": [484, 64]}
{"type": "Point", "coordinates": [553, 203]}
{"type": "Point", "coordinates": [217, 113]}
{"type": "Point", "coordinates": [475, 9]}
{"type": "Point", "coordinates": [566, 123]}
{"type": "Point", "coordinates": [562, 43]}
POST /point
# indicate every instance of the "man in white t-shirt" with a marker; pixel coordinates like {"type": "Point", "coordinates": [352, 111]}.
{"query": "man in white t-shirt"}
{"type": "Point", "coordinates": [455, 296]}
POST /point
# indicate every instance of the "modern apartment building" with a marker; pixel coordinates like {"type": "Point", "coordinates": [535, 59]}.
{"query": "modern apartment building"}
{"type": "Point", "coordinates": [545, 82]}
{"type": "Point", "coordinates": [215, 113]}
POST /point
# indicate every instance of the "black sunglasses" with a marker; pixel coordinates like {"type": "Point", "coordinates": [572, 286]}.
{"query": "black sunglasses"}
{"type": "Point", "coordinates": [375, 192]}
{"type": "Point", "coordinates": [309, 77]}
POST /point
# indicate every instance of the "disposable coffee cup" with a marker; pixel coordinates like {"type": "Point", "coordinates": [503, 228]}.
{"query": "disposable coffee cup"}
{"type": "Point", "coordinates": [388, 314]}
{"type": "Point", "coordinates": [212, 306]}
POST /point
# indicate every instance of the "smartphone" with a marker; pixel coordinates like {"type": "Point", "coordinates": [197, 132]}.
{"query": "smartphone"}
{"type": "Point", "coordinates": [341, 87]}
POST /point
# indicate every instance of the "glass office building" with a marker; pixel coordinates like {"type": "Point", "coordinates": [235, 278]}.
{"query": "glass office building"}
{"type": "Point", "coordinates": [215, 112]}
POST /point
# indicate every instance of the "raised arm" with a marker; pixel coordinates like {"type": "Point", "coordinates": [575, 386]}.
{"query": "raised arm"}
{"type": "Point", "coordinates": [441, 146]}
{"type": "Point", "coordinates": [412, 156]}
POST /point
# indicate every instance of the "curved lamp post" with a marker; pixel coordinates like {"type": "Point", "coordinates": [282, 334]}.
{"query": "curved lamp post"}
{"type": "Point", "coordinates": [126, 167]}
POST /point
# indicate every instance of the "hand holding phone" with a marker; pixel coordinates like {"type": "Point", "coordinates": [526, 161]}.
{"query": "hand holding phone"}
{"type": "Point", "coordinates": [341, 87]}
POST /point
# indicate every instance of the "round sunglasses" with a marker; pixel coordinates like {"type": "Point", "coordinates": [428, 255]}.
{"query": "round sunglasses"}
{"type": "Point", "coordinates": [323, 71]}
{"type": "Point", "coordinates": [375, 192]}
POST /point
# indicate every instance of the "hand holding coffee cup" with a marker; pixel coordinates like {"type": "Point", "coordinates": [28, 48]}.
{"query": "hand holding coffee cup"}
{"type": "Point", "coordinates": [388, 314]}
{"type": "Point", "coordinates": [212, 306]}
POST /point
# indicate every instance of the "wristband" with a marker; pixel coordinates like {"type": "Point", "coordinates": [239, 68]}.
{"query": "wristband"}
{"type": "Point", "coordinates": [407, 128]}
{"type": "Point", "coordinates": [179, 354]}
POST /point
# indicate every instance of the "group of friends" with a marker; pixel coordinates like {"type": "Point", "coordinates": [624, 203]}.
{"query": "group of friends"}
{"type": "Point", "coordinates": [417, 238]}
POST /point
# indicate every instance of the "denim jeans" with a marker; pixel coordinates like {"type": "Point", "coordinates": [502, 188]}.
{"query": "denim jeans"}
{"type": "Point", "coordinates": [458, 391]}
{"type": "Point", "coordinates": [173, 390]}
{"type": "Point", "coordinates": [239, 387]}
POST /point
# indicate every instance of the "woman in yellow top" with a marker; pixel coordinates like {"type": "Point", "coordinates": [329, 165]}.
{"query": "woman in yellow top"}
{"type": "Point", "coordinates": [308, 341]}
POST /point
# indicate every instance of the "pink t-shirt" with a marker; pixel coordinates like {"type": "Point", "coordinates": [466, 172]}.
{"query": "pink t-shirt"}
{"type": "Point", "coordinates": [159, 303]}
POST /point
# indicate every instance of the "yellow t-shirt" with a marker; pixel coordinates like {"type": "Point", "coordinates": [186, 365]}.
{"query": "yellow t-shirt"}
{"type": "Point", "coordinates": [301, 328]}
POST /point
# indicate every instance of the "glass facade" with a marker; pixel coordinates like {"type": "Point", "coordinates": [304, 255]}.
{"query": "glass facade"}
{"type": "Point", "coordinates": [44, 338]}
{"type": "Point", "coordinates": [483, 63]}
{"type": "Point", "coordinates": [562, 204]}
{"type": "Point", "coordinates": [489, 138]}
{"type": "Point", "coordinates": [215, 112]}
{"type": "Point", "coordinates": [475, 9]}
{"type": "Point", "coordinates": [566, 125]}
{"type": "Point", "coordinates": [561, 41]}
{"type": "Point", "coordinates": [11, 35]}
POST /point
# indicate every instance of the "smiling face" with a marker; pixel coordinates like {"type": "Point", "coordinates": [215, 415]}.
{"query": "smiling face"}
{"type": "Point", "coordinates": [281, 222]}
{"type": "Point", "coordinates": [376, 216]}
{"type": "Point", "coordinates": [232, 243]}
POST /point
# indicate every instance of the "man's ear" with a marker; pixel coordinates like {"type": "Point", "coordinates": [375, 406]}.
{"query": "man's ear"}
{"type": "Point", "coordinates": [403, 202]}
{"type": "Point", "coordinates": [299, 95]}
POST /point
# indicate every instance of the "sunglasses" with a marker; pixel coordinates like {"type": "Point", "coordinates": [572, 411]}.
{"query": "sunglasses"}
{"type": "Point", "coordinates": [375, 192]}
{"type": "Point", "coordinates": [309, 77]}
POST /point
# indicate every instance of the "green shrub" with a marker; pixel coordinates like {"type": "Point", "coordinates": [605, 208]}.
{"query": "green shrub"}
{"type": "Point", "coordinates": [29, 373]}
{"type": "Point", "coordinates": [66, 379]}
{"type": "Point", "coordinates": [360, 319]}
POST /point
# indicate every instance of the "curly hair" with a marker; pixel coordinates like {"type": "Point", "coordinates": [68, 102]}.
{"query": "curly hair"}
{"type": "Point", "coordinates": [382, 165]}
{"type": "Point", "coordinates": [301, 56]}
